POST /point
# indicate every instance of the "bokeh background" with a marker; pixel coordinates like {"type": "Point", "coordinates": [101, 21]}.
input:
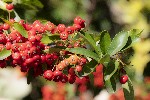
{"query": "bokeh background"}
{"type": "Point", "coordinates": [110, 15]}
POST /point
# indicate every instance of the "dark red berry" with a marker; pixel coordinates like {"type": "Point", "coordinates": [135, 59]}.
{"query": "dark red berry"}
{"type": "Point", "coordinates": [48, 74]}
{"type": "Point", "coordinates": [9, 6]}
{"type": "Point", "coordinates": [123, 79]}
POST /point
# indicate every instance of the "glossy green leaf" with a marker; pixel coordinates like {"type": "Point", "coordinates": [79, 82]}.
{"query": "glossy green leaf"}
{"type": "Point", "coordinates": [45, 39]}
{"type": "Point", "coordinates": [128, 90]}
{"type": "Point", "coordinates": [88, 68]}
{"type": "Point", "coordinates": [105, 41]}
{"type": "Point", "coordinates": [91, 41]}
{"type": "Point", "coordinates": [85, 52]}
{"type": "Point", "coordinates": [118, 42]}
{"type": "Point", "coordinates": [134, 36]}
{"type": "Point", "coordinates": [110, 85]}
{"type": "Point", "coordinates": [4, 54]}
{"type": "Point", "coordinates": [20, 29]}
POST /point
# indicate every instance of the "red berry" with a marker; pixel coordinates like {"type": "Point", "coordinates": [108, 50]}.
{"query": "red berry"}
{"type": "Point", "coordinates": [71, 71]}
{"type": "Point", "coordinates": [43, 58]}
{"type": "Point", "coordinates": [64, 35]}
{"type": "Point", "coordinates": [123, 79]}
{"type": "Point", "coordinates": [71, 79]}
{"type": "Point", "coordinates": [48, 74]}
{"type": "Point", "coordinates": [57, 75]}
{"type": "Point", "coordinates": [8, 45]}
{"type": "Point", "coordinates": [9, 6]}
{"type": "Point", "coordinates": [77, 27]}
{"type": "Point", "coordinates": [70, 29]}
{"type": "Point", "coordinates": [2, 63]}
{"type": "Point", "coordinates": [78, 20]}
{"type": "Point", "coordinates": [32, 38]}
{"type": "Point", "coordinates": [16, 56]}
{"type": "Point", "coordinates": [61, 28]}
{"type": "Point", "coordinates": [64, 79]}
{"type": "Point", "coordinates": [6, 26]}
{"type": "Point", "coordinates": [82, 61]}
{"type": "Point", "coordinates": [78, 68]}
{"type": "Point", "coordinates": [49, 26]}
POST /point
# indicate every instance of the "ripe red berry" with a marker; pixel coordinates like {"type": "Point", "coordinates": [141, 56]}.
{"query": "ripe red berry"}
{"type": "Point", "coordinates": [9, 6]}
{"type": "Point", "coordinates": [123, 79]}
{"type": "Point", "coordinates": [78, 68]}
{"type": "Point", "coordinates": [61, 28]}
{"type": "Point", "coordinates": [57, 75]}
{"type": "Point", "coordinates": [6, 26]}
{"type": "Point", "coordinates": [8, 45]}
{"type": "Point", "coordinates": [82, 61]}
{"type": "Point", "coordinates": [78, 20]}
{"type": "Point", "coordinates": [77, 27]}
{"type": "Point", "coordinates": [70, 29]}
{"type": "Point", "coordinates": [48, 74]}
{"type": "Point", "coordinates": [71, 71]}
{"type": "Point", "coordinates": [64, 78]}
{"type": "Point", "coordinates": [64, 35]}
{"type": "Point", "coordinates": [16, 56]}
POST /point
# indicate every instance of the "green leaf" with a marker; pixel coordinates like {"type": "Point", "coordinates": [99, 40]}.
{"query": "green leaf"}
{"type": "Point", "coordinates": [85, 52]}
{"type": "Point", "coordinates": [118, 42]}
{"type": "Point", "coordinates": [105, 58]}
{"type": "Point", "coordinates": [20, 29]}
{"type": "Point", "coordinates": [45, 39]}
{"type": "Point", "coordinates": [4, 54]}
{"type": "Point", "coordinates": [105, 41]}
{"type": "Point", "coordinates": [134, 36]}
{"type": "Point", "coordinates": [88, 68]}
{"type": "Point", "coordinates": [111, 85]}
{"type": "Point", "coordinates": [128, 90]}
{"type": "Point", "coordinates": [91, 41]}
{"type": "Point", "coordinates": [111, 68]}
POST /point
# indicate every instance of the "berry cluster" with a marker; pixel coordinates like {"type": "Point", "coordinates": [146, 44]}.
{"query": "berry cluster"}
{"type": "Point", "coordinates": [28, 52]}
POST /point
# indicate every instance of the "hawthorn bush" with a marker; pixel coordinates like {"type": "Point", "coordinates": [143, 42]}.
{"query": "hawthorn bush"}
{"type": "Point", "coordinates": [67, 54]}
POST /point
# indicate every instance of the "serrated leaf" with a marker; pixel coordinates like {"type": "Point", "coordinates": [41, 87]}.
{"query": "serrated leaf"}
{"type": "Point", "coordinates": [91, 41]}
{"type": "Point", "coordinates": [88, 68]}
{"type": "Point", "coordinates": [45, 39]}
{"type": "Point", "coordinates": [4, 54]}
{"type": "Point", "coordinates": [85, 52]}
{"type": "Point", "coordinates": [105, 41]}
{"type": "Point", "coordinates": [118, 42]}
{"type": "Point", "coordinates": [111, 85]}
{"type": "Point", "coordinates": [134, 36]}
{"type": "Point", "coordinates": [128, 90]}
{"type": "Point", "coordinates": [20, 29]}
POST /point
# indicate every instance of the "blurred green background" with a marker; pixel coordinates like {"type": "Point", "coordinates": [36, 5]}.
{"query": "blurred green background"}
{"type": "Point", "coordinates": [110, 15]}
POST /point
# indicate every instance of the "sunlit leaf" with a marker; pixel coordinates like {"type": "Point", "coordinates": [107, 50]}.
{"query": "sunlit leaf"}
{"type": "Point", "coordinates": [20, 29]}
{"type": "Point", "coordinates": [4, 54]}
{"type": "Point", "coordinates": [105, 41]}
{"type": "Point", "coordinates": [85, 52]}
{"type": "Point", "coordinates": [118, 42]}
